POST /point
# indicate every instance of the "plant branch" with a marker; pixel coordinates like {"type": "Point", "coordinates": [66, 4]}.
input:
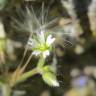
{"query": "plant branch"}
{"type": "Point", "coordinates": [26, 75]}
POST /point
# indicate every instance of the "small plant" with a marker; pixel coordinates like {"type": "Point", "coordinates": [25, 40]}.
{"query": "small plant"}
{"type": "Point", "coordinates": [41, 42]}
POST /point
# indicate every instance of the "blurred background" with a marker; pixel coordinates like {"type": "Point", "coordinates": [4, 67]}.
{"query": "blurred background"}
{"type": "Point", "coordinates": [75, 51]}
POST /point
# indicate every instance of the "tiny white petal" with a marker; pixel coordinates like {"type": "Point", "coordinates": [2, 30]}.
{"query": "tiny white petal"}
{"type": "Point", "coordinates": [32, 42]}
{"type": "Point", "coordinates": [46, 53]}
{"type": "Point", "coordinates": [36, 52]}
{"type": "Point", "coordinates": [42, 37]}
{"type": "Point", "coordinates": [50, 40]}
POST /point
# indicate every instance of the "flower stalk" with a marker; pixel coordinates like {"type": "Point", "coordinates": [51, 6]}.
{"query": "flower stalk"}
{"type": "Point", "coordinates": [26, 75]}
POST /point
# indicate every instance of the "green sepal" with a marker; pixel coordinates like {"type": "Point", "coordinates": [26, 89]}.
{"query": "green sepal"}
{"type": "Point", "coordinates": [50, 79]}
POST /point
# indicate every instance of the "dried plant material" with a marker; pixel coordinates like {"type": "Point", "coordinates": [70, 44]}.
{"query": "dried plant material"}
{"type": "Point", "coordinates": [69, 5]}
{"type": "Point", "coordinates": [2, 43]}
{"type": "Point", "coordinates": [2, 31]}
{"type": "Point", "coordinates": [10, 49]}
{"type": "Point", "coordinates": [92, 16]}
{"type": "Point", "coordinates": [2, 58]}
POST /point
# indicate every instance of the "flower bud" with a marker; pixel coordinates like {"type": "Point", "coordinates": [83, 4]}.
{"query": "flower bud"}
{"type": "Point", "coordinates": [50, 79]}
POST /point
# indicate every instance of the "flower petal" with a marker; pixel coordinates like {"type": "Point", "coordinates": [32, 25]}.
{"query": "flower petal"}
{"type": "Point", "coordinates": [46, 53]}
{"type": "Point", "coordinates": [36, 52]}
{"type": "Point", "coordinates": [50, 40]}
{"type": "Point", "coordinates": [42, 37]}
{"type": "Point", "coordinates": [32, 42]}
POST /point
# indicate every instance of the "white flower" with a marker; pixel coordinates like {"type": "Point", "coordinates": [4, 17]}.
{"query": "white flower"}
{"type": "Point", "coordinates": [46, 53]}
{"type": "Point", "coordinates": [36, 52]}
{"type": "Point", "coordinates": [41, 44]}
{"type": "Point", "coordinates": [50, 40]}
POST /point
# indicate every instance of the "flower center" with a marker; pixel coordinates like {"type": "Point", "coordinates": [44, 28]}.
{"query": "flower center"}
{"type": "Point", "coordinates": [43, 47]}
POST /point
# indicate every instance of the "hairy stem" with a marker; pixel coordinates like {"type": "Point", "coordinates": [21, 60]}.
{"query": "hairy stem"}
{"type": "Point", "coordinates": [26, 75]}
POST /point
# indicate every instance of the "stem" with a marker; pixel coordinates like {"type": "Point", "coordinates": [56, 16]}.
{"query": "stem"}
{"type": "Point", "coordinates": [20, 71]}
{"type": "Point", "coordinates": [27, 62]}
{"type": "Point", "coordinates": [26, 75]}
{"type": "Point", "coordinates": [25, 51]}
{"type": "Point", "coordinates": [6, 90]}
{"type": "Point", "coordinates": [41, 62]}
{"type": "Point", "coordinates": [32, 72]}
